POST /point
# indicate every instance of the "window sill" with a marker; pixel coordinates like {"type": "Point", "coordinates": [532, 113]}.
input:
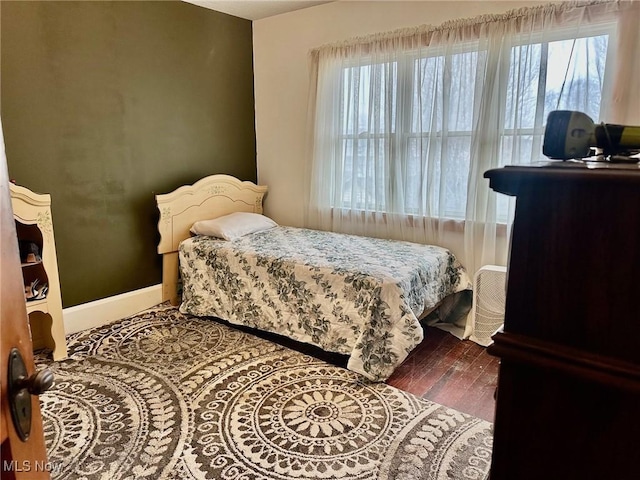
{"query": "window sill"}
{"type": "Point", "coordinates": [412, 221]}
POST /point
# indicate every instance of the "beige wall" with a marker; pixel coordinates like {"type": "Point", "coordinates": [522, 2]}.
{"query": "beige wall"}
{"type": "Point", "coordinates": [281, 75]}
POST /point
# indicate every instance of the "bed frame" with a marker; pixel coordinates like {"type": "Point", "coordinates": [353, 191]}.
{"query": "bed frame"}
{"type": "Point", "coordinates": [210, 197]}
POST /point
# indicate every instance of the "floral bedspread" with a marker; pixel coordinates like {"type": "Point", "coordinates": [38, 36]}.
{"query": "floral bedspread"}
{"type": "Point", "coordinates": [348, 294]}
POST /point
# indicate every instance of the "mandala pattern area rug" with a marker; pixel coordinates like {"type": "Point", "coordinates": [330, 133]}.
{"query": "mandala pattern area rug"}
{"type": "Point", "coordinates": [162, 395]}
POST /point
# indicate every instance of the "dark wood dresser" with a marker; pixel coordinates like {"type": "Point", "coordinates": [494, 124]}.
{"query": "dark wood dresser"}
{"type": "Point", "coordinates": [568, 397]}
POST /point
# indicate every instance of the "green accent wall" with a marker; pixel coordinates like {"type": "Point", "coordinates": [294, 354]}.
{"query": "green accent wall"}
{"type": "Point", "coordinates": [105, 105]}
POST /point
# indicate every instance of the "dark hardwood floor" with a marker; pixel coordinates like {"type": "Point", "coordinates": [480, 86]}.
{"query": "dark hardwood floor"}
{"type": "Point", "coordinates": [458, 374]}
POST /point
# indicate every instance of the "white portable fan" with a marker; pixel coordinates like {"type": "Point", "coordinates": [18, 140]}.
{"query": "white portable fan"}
{"type": "Point", "coordinates": [489, 293]}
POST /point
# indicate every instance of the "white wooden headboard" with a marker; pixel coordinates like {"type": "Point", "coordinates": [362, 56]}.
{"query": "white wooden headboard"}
{"type": "Point", "coordinates": [209, 197]}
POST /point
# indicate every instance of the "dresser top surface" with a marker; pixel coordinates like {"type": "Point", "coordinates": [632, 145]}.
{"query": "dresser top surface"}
{"type": "Point", "coordinates": [508, 179]}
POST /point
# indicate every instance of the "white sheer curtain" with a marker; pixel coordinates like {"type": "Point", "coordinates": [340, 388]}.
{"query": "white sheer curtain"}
{"type": "Point", "coordinates": [404, 124]}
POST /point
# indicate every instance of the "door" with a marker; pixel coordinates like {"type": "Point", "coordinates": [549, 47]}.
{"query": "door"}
{"type": "Point", "coordinates": [21, 459]}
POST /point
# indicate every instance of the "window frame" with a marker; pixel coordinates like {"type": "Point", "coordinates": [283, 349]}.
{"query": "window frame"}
{"type": "Point", "coordinates": [400, 136]}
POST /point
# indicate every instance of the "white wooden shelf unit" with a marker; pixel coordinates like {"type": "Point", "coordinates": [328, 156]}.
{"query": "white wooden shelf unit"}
{"type": "Point", "coordinates": [32, 213]}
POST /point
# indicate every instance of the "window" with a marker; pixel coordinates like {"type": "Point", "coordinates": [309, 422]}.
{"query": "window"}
{"type": "Point", "coordinates": [406, 123]}
{"type": "Point", "coordinates": [408, 126]}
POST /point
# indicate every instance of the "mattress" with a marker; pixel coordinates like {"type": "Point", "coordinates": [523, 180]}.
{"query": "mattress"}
{"type": "Point", "coordinates": [353, 295]}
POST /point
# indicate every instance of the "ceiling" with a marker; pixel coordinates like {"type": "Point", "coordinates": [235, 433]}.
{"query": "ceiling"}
{"type": "Point", "coordinates": [255, 9]}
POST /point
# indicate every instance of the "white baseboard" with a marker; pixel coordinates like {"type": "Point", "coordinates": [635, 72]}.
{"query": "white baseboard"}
{"type": "Point", "coordinates": [107, 310]}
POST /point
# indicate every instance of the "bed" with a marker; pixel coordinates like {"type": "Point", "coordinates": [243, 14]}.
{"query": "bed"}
{"type": "Point", "coordinates": [358, 296]}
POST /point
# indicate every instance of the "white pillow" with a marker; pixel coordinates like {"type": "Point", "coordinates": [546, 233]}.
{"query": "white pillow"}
{"type": "Point", "coordinates": [233, 226]}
